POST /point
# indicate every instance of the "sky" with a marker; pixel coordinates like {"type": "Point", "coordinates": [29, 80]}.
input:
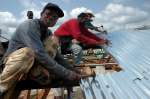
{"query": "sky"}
{"type": "Point", "coordinates": [114, 15]}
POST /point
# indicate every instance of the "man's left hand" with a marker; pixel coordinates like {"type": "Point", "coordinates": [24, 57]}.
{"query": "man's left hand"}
{"type": "Point", "coordinates": [107, 42]}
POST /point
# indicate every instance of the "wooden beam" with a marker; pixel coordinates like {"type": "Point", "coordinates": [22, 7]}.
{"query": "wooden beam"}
{"type": "Point", "coordinates": [56, 83]}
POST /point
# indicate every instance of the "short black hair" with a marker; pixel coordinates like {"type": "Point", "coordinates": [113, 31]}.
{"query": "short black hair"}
{"type": "Point", "coordinates": [54, 7]}
{"type": "Point", "coordinates": [30, 14]}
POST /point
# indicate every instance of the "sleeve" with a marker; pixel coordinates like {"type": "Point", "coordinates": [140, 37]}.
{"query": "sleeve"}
{"type": "Point", "coordinates": [60, 59]}
{"type": "Point", "coordinates": [1, 50]}
{"type": "Point", "coordinates": [31, 38]}
{"type": "Point", "coordinates": [93, 36]}
{"type": "Point", "coordinates": [85, 39]}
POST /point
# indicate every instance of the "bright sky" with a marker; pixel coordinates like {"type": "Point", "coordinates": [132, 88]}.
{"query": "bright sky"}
{"type": "Point", "coordinates": [113, 14]}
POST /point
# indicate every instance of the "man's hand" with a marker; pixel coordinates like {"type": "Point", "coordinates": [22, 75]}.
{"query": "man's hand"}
{"type": "Point", "coordinates": [86, 71]}
{"type": "Point", "coordinates": [74, 76]}
{"type": "Point", "coordinates": [77, 76]}
{"type": "Point", "coordinates": [104, 42]}
{"type": "Point", "coordinates": [108, 42]}
{"type": "Point", "coordinates": [77, 70]}
{"type": "Point", "coordinates": [104, 32]}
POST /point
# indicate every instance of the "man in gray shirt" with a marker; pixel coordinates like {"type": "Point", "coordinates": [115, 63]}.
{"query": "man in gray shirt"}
{"type": "Point", "coordinates": [26, 47]}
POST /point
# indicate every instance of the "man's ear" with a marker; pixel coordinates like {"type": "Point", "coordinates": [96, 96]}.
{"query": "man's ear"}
{"type": "Point", "coordinates": [41, 13]}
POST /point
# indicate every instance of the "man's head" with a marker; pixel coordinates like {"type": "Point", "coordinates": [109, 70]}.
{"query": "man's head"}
{"type": "Point", "coordinates": [30, 15]}
{"type": "Point", "coordinates": [85, 16]}
{"type": "Point", "coordinates": [50, 14]}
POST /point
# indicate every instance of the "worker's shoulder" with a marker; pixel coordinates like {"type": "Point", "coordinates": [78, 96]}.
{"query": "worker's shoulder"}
{"type": "Point", "coordinates": [72, 20]}
{"type": "Point", "coordinates": [33, 22]}
{"type": "Point", "coordinates": [28, 26]}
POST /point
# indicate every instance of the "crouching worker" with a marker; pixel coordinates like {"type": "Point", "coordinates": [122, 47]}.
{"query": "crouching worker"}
{"type": "Point", "coordinates": [26, 49]}
{"type": "Point", "coordinates": [74, 34]}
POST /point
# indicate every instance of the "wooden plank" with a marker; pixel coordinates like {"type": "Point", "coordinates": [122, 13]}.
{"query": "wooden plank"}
{"type": "Point", "coordinates": [56, 83]}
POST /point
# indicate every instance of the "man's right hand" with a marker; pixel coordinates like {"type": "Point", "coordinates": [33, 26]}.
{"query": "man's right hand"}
{"type": "Point", "coordinates": [74, 76]}
{"type": "Point", "coordinates": [104, 42]}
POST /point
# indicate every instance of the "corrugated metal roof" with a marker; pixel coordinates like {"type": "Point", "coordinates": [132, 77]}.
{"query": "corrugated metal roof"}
{"type": "Point", "coordinates": [131, 49]}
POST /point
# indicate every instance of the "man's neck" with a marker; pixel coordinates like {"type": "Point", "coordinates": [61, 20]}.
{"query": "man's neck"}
{"type": "Point", "coordinates": [42, 23]}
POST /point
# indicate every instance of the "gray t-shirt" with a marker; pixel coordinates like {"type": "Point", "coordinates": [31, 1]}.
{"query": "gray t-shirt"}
{"type": "Point", "coordinates": [32, 33]}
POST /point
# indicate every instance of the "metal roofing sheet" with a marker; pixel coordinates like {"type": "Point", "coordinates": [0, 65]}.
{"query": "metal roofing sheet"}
{"type": "Point", "coordinates": [131, 49]}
